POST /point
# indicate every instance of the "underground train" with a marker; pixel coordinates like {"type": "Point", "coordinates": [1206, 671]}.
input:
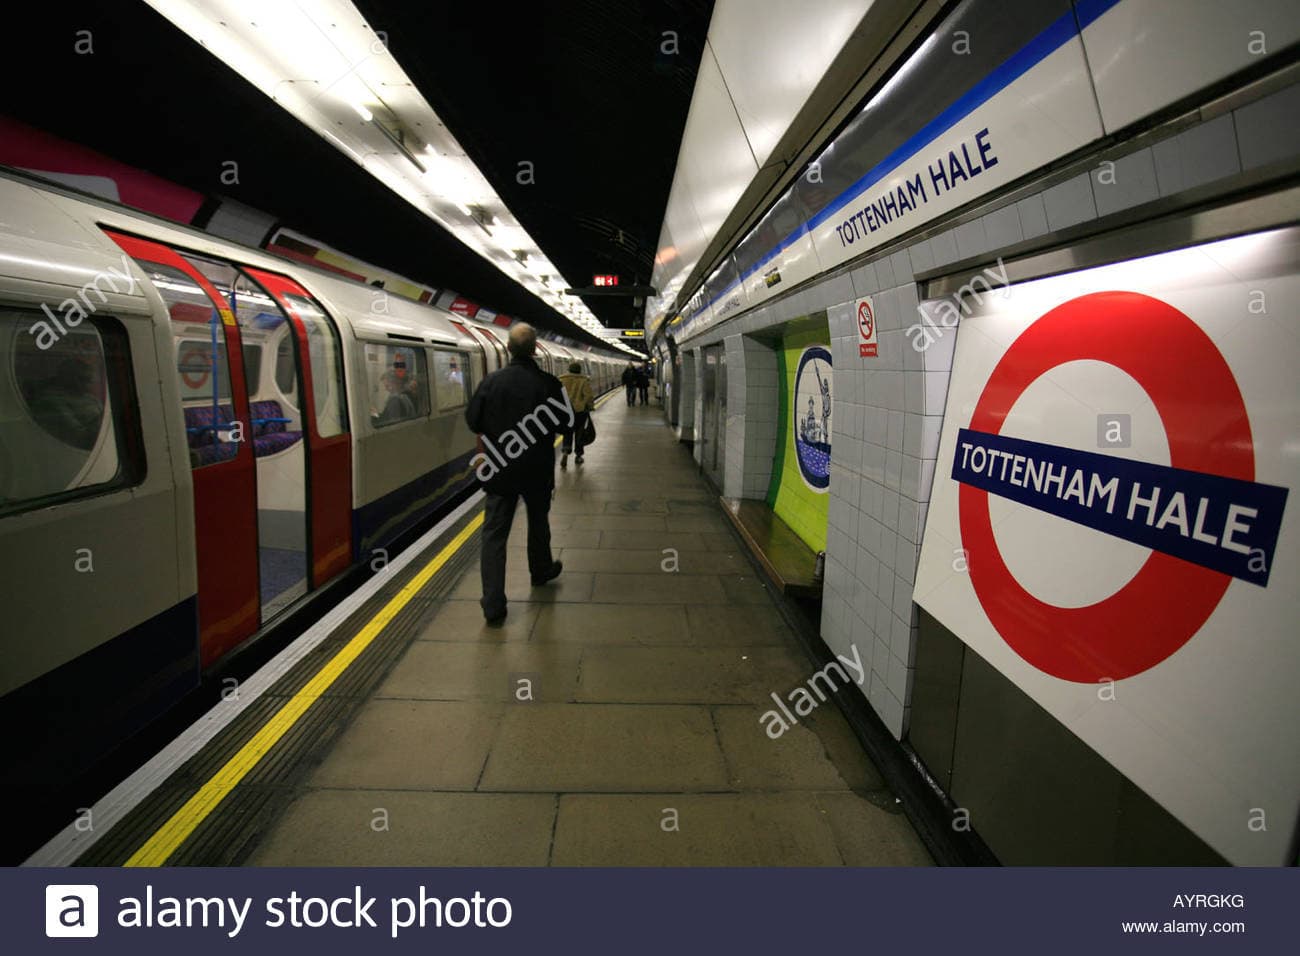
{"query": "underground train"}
{"type": "Point", "coordinates": [196, 437]}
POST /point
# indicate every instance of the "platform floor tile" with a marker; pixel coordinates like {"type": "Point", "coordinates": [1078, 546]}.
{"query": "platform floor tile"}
{"type": "Point", "coordinates": [411, 828]}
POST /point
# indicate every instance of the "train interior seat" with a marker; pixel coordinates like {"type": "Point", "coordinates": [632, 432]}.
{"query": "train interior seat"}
{"type": "Point", "coordinates": [203, 428]}
{"type": "Point", "coordinates": [269, 432]}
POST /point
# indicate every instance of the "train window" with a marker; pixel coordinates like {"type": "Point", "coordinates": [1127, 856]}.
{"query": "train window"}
{"type": "Point", "coordinates": [203, 373]}
{"type": "Point", "coordinates": [195, 360]}
{"type": "Point", "coordinates": [286, 369]}
{"type": "Point", "coordinates": [261, 321]}
{"type": "Point", "coordinates": [326, 366]}
{"type": "Point", "coordinates": [253, 366]}
{"type": "Point", "coordinates": [202, 367]}
{"type": "Point", "coordinates": [450, 371]}
{"type": "Point", "coordinates": [398, 383]}
{"type": "Point", "coordinates": [67, 421]}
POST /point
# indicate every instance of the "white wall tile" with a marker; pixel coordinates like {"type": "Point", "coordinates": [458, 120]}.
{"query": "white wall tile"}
{"type": "Point", "coordinates": [1070, 203]}
{"type": "Point", "coordinates": [893, 469]}
{"type": "Point", "coordinates": [1033, 216]}
{"type": "Point", "coordinates": [921, 255]}
{"type": "Point", "coordinates": [971, 239]}
{"type": "Point", "coordinates": [943, 248]}
{"type": "Point", "coordinates": [1127, 181]}
{"type": "Point", "coordinates": [1267, 130]}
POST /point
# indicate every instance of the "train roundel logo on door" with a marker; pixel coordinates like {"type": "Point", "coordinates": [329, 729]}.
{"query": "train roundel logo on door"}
{"type": "Point", "coordinates": [811, 414]}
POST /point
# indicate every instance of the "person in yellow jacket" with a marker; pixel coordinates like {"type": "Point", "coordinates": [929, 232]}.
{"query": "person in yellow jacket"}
{"type": "Point", "coordinates": [578, 386]}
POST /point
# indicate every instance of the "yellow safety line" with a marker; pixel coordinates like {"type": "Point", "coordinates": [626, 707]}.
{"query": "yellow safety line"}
{"type": "Point", "coordinates": [164, 842]}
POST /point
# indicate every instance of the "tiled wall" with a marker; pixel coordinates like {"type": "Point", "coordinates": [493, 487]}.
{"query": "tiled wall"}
{"type": "Point", "coordinates": [886, 424]}
{"type": "Point", "coordinates": [686, 381]}
{"type": "Point", "coordinates": [752, 400]}
{"type": "Point", "coordinates": [697, 451]}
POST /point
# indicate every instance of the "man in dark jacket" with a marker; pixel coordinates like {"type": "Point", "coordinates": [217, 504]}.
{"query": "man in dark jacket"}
{"type": "Point", "coordinates": [629, 382]}
{"type": "Point", "coordinates": [643, 383]}
{"type": "Point", "coordinates": [517, 411]}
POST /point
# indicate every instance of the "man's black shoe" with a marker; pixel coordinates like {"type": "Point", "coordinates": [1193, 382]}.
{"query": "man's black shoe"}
{"type": "Point", "coordinates": [551, 575]}
{"type": "Point", "coordinates": [496, 621]}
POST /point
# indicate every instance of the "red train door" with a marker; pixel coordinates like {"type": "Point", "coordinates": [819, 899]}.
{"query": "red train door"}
{"type": "Point", "coordinates": [496, 348]}
{"type": "Point", "coordinates": [329, 463]}
{"type": "Point", "coordinates": [214, 394]}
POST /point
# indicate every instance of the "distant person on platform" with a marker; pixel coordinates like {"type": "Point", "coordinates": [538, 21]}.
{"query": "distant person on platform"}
{"type": "Point", "coordinates": [501, 402]}
{"type": "Point", "coordinates": [629, 383]}
{"type": "Point", "coordinates": [643, 383]}
{"type": "Point", "coordinates": [581, 398]}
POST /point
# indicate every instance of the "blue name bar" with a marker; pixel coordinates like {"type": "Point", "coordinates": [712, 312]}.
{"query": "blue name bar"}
{"type": "Point", "coordinates": [1225, 524]}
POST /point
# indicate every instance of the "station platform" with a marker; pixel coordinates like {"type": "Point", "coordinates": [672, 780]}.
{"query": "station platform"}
{"type": "Point", "coordinates": [615, 719]}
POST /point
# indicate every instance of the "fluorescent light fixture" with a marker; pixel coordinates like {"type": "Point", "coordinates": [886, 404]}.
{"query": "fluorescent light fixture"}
{"type": "Point", "coordinates": [323, 64]}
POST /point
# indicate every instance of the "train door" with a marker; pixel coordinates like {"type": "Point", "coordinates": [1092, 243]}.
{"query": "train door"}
{"type": "Point", "coordinates": [214, 396]}
{"type": "Point", "coordinates": [494, 347]}
{"type": "Point", "coordinates": [543, 357]}
{"type": "Point", "coordinates": [494, 337]}
{"type": "Point", "coordinates": [274, 429]}
{"type": "Point", "coordinates": [329, 442]}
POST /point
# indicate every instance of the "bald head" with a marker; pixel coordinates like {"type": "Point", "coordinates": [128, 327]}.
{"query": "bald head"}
{"type": "Point", "coordinates": [523, 340]}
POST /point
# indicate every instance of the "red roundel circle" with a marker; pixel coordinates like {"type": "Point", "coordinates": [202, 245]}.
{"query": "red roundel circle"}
{"type": "Point", "coordinates": [866, 321]}
{"type": "Point", "coordinates": [1205, 421]}
{"type": "Point", "coordinates": [192, 377]}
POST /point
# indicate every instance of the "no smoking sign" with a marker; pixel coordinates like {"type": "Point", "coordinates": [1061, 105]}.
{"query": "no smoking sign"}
{"type": "Point", "coordinates": [867, 346]}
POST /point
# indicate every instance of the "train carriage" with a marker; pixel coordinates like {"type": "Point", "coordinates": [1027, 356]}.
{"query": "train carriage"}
{"type": "Point", "coordinates": [300, 426]}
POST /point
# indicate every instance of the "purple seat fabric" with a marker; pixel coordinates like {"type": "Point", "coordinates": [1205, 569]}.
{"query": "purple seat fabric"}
{"type": "Point", "coordinates": [206, 448]}
{"type": "Point", "coordinates": [263, 410]}
{"type": "Point", "coordinates": [270, 437]}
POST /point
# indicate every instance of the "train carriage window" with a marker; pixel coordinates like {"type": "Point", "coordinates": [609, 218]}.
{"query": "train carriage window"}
{"type": "Point", "coordinates": [398, 383]}
{"type": "Point", "coordinates": [450, 374]}
{"type": "Point", "coordinates": [326, 366]}
{"type": "Point", "coordinates": [261, 323]}
{"type": "Point", "coordinates": [67, 422]}
{"type": "Point", "coordinates": [253, 366]}
{"type": "Point", "coordinates": [202, 371]}
{"type": "Point", "coordinates": [286, 370]}
{"type": "Point", "coordinates": [195, 359]}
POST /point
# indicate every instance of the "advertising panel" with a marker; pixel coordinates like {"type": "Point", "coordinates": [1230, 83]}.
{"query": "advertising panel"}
{"type": "Point", "coordinates": [801, 472]}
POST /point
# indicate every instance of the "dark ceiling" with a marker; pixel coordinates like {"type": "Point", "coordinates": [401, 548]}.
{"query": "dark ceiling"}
{"type": "Point", "coordinates": [592, 93]}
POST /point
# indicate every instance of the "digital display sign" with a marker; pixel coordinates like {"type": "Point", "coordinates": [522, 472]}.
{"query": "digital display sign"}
{"type": "Point", "coordinates": [604, 281]}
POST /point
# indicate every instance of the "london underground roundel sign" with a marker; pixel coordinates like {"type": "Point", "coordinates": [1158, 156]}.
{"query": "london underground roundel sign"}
{"type": "Point", "coordinates": [1204, 517]}
{"type": "Point", "coordinates": [811, 417]}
